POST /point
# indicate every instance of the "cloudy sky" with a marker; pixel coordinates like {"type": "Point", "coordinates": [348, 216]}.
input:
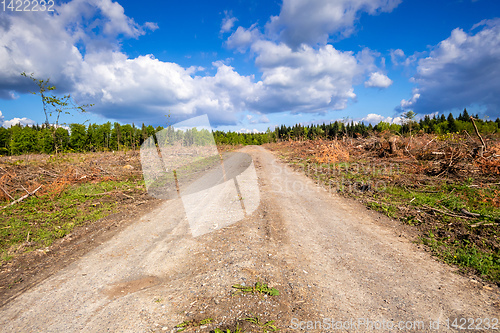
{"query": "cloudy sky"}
{"type": "Point", "coordinates": [253, 64]}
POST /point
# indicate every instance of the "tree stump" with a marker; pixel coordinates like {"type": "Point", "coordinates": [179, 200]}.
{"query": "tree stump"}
{"type": "Point", "coordinates": [392, 145]}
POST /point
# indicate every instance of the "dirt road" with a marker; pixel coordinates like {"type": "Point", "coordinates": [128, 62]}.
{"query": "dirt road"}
{"type": "Point", "coordinates": [331, 259]}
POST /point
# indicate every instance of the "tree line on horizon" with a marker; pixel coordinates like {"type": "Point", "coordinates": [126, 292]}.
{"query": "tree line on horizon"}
{"type": "Point", "coordinates": [19, 139]}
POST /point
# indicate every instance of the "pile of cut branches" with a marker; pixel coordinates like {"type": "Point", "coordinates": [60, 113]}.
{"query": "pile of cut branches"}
{"type": "Point", "coordinates": [24, 176]}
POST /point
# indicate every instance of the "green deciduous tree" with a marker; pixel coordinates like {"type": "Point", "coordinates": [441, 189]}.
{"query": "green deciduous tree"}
{"type": "Point", "coordinates": [78, 137]}
{"type": "Point", "coordinates": [409, 118]}
{"type": "Point", "coordinates": [4, 141]}
{"type": "Point", "coordinates": [54, 105]}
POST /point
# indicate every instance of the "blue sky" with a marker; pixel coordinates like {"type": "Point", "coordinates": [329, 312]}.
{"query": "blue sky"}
{"type": "Point", "coordinates": [251, 65]}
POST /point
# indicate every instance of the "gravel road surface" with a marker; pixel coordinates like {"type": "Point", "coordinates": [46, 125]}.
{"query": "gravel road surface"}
{"type": "Point", "coordinates": [332, 260]}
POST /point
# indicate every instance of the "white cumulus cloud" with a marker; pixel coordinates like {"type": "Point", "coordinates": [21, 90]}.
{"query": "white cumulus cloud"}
{"type": "Point", "coordinates": [54, 45]}
{"type": "Point", "coordinates": [408, 104]}
{"type": "Point", "coordinates": [151, 26]}
{"type": "Point", "coordinates": [396, 56]}
{"type": "Point", "coordinates": [373, 118]}
{"type": "Point", "coordinates": [227, 22]}
{"type": "Point", "coordinates": [64, 47]}
{"type": "Point", "coordinates": [313, 21]}
{"type": "Point", "coordinates": [243, 38]}
{"type": "Point", "coordinates": [305, 80]}
{"type": "Point", "coordinates": [263, 119]}
{"type": "Point", "coordinates": [248, 131]}
{"type": "Point", "coordinates": [14, 121]}
{"type": "Point", "coordinates": [378, 80]}
{"type": "Point", "coordinates": [461, 70]}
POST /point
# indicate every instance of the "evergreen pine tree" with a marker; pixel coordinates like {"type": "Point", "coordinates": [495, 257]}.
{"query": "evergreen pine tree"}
{"type": "Point", "coordinates": [465, 115]}
{"type": "Point", "coordinates": [452, 126]}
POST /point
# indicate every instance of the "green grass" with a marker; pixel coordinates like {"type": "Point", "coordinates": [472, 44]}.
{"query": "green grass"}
{"type": "Point", "coordinates": [386, 209]}
{"type": "Point", "coordinates": [454, 197]}
{"type": "Point", "coordinates": [264, 327]}
{"type": "Point", "coordinates": [38, 221]}
{"type": "Point", "coordinates": [193, 323]}
{"type": "Point", "coordinates": [237, 330]}
{"type": "Point", "coordinates": [466, 255]}
{"type": "Point", "coordinates": [258, 288]}
{"type": "Point", "coordinates": [451, 199]}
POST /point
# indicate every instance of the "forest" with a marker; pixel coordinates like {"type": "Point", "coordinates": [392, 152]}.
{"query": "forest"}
{"type": "Point", "coordinates": [18, 139]}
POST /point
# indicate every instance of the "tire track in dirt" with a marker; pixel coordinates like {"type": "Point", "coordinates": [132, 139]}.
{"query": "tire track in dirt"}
{"type": "Point", "coordinates": [328, 257]}
{"type": "Point", "coordinates": [359, 265]}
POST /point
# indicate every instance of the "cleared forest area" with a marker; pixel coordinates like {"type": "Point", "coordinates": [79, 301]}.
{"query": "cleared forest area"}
{"type": "Point", "coordinates": [444, 186]}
